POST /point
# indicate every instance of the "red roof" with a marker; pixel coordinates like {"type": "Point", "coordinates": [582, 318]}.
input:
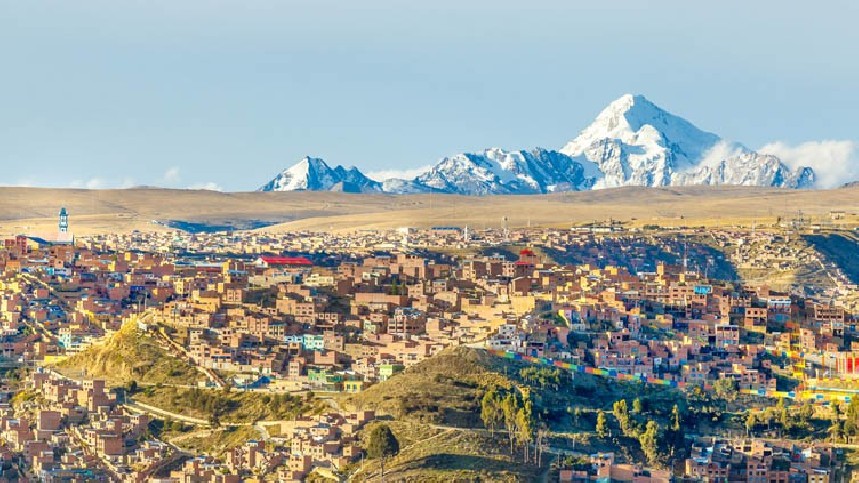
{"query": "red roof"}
{"type": "Point", "coordinates": [522, 263]}
{"type": "Point", "coordinates": [526, 252]}
{"type": "Point", "coordinates": [275, 260]}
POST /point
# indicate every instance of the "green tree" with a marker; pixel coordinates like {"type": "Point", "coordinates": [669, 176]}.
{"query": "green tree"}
{"type": "Point", "coordinates": [602, 424]}
{"type": "Point", "coordinates": [621, 413]}
{"type": "Point", "coordinates": [491, 412]}
{"type": "Point", "coordinates": [525, 427]}
{"type": "Point", "coordinates": [524, 430]}
{"type": "Point", "coordinates": [725, 389]}
{"type": "Point", "coordinates": [509, 408]}
{"type": "Point", "coordinates": [851, 422]}
{"type": "Point", "coordinates": [637, 407]}
{"type": "Point", "coordinates": [675, 418]}
{"type": "Point", "coordinates": [751, 422]}
{"type": "Point", "coordinates": [577, 414]}
{"type": "Point", "coordinates": [215, 419]}
{"type": "Point", "coordinates": [835, 430]}
{"type": "Point", "coordinates": [382, 444]}
{"type": "Point", "coordinates": [784, 416]}
{"type": "Point", "coordinates": [649, 441]}
{"type": "Point", "coordinates": [804, 415]}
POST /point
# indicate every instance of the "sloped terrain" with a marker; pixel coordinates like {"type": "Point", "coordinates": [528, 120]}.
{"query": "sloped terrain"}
{"type": "Point", "coordinates": [839, 249]}
{"type": "Point", "coordinates": [445, 389]}
{"type": "Point", "coordinates": [429, 454]}
{"type": "Point", "coordinates": [632, 142]}
{"type": "Point", "coordinates": [436, 406]}
{"type": "Point", "coordinates": [130, 355]}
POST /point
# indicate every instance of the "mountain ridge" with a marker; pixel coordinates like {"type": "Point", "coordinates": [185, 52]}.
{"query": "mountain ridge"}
{"type": "Point", "coordinates": [632, 142]}
{"type": "Point", "coordinates": [314, 174]}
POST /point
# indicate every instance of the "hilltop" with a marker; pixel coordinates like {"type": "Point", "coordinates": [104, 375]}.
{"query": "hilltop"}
{"type": "Point", "coordinates": [434, 403]}
{"type": "Point", "coordinates": [129, 355]}
{"type": "Point", "coordinates": [436, 406]}
{"type": "Point", "coordinates": [444, 389]}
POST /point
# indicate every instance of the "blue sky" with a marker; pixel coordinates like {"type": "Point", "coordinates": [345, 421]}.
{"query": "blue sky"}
{"type": "Point", "coordinates": [227, 93]}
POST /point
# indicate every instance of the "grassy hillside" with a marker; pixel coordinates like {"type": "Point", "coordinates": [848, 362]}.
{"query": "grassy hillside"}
{"type": "Point", "coordinates": [436, 406]}
{"type": "Point", "coordinates": [217, 442]}
{"type": "Point", "coordinates": [443, 390]}
{"type": "Point", "coordinates": [233, 406]}
{"type": "Point", "coordinates": [447, 389]}
{"type": "Point", "coordinates": [128, 355]}
{"type": "Point", "coordinates": [441, 455]}
{"type": "Point", "coordinates": [434, 403]}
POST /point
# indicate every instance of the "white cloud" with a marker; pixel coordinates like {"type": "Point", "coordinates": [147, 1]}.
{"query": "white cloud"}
{"type": "Point", "coordinates": [719, 152]}
{"type": "Point", "coordinates": [21, 183]}
{"type": "Point", "coordinates": [102, 184]}
{"type": "Point", "coordinates": [406, 174]}
{"type": "Point", "coordinates": [171, 175]}
{"type": "Point", "coordinates": [90, 184]}
{"type": "Point", "coordinates": [834, 162]}
{"type": "Point", "coordinates": [211, 186]}
{"type": "Point", "coordinates": [94, 184]}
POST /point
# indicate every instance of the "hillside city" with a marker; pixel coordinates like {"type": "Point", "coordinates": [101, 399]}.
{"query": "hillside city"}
{"type": "Point", "coordinates": [601, 352]}
{"type": "Point", "coordinates": [256, 241]}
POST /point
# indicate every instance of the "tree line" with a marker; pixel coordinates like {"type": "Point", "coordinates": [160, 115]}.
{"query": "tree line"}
{"type": "Point", "coordinates": [512, 410]}
{"type": "Point", "coordinates": [658, 443]}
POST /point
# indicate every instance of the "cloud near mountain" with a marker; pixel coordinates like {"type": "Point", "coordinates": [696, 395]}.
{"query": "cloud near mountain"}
{"type": "Point", "coordinates": [386, 174]}
{"type": "Point", "coordinates": [632, 142]}
{"type": "Point", "coordinates": [834, 162]}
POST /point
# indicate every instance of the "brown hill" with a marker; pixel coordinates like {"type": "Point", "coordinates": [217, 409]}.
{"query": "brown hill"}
{"type": "Point", "coordinates": [34, 210]}
{"type": "Point", "coordinates": [128, 355]}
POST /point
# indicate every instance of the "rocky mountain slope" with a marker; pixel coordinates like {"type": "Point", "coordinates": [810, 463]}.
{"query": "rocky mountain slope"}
{"type": "Point", "coordinates": [314, 174]}
{"type": "Point", "coordinates": [632, 142]}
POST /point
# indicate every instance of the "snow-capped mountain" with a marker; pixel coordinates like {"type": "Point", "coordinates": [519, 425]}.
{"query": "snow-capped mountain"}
{"type": "Point", "coordinates": [632, 142]}
{"type": "Point", "coordinates": [406, 186]}
{"type": "Point", "coordinates": [313, 174]}
{"type": "Point", "coordinates": [636, 143]}
{"type": "Point", "coordinates": [744, 167]}
{"type": "Point", "coordinates": [496, 171]}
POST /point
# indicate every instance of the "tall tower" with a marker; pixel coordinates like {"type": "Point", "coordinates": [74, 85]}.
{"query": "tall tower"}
{"type": "Point", "coordinates": [506, 228]}
{"type": "Point", "coordinates": [64, 220]}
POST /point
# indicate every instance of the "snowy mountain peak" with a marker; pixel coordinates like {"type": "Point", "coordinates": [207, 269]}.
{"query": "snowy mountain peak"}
{"type": "Point", "coordinates": [635, 104]}
{"type": "Point", "coordinates": [498, 171]}
{"type": "Point", "coordinates": [308, 162]}
{"type": "Point", "coordinates": [632, 142]}
{"type": "Point", "coordinates": [631, 113]}
{"type": "Point", "coordinates": [309, 166]}
{"type": "Point", "coordinates": [636, 143]}
{"type": "Point", "coordinates": [314, 174]}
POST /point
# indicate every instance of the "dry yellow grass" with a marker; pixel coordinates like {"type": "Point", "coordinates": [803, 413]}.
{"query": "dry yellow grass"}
{"type": "Point", "coordinates": [33, 210]}
{"type": "Point", "coordinates": [129, 354]}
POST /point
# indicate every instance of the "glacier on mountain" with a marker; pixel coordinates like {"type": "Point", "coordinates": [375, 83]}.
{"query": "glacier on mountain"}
{"type": "Point", "coordinates": [497, 171]}
{"type": "Point", "coordinates": [632, 142]}
{"type": "Point", "coordinates": [314, 174]}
